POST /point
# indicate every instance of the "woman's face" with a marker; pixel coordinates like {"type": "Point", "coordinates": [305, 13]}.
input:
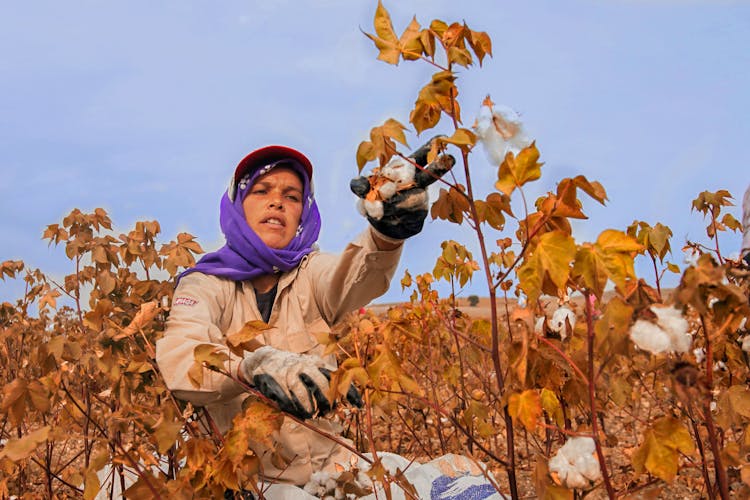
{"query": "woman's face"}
{"type": "Point", "coordinates": [273, 206]}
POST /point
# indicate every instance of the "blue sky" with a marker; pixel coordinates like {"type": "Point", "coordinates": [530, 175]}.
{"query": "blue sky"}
{"type": "Point", "coordinates": [144, 108]}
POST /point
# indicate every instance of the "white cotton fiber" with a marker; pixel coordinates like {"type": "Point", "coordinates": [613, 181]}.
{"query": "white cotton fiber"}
{"type": "Point", "coordinates": [557, 324]}
{"type": "Point", "coordinates": [668, 334]}
{"type": "Point", "coordinates": [500, 130]}
{"type": "Point", "coordinates": [374, 209]}
{"type": "Point", "coordinates": [576, 464]}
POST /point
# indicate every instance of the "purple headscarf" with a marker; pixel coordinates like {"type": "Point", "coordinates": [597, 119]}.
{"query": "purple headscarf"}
{"type": "Point", "coordinates": [245, 256]}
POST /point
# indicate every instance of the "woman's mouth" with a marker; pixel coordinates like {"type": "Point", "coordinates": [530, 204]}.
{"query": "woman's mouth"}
{"type": "Point", "coordinates": [274, 221]}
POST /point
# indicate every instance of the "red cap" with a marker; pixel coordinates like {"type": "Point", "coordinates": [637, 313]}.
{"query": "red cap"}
{"type": "Point", "coordinates": [270, 154]}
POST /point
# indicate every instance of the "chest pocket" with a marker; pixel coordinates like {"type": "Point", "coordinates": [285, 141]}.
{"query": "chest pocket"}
{"type": "Point", "coordinates": [296, 339]}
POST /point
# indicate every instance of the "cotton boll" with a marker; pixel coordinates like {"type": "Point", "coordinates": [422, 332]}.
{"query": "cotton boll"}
{"type": "Point", "coordinates": [700, 354]}
{"type": "Point", "coordinates": [668, 334]}
{"type": "Point", "coordinates": [500, 130]}
{"type": "Point", "coordinates": [387, 190]}
{"type": "Point", "coordinates": [576, 464]}
{"type": "Point", "coordinates": [539, 325]}
{"type": "Point", "coordinates": [399, 170]}
{"type": "Point", "coordinates": [361, 207]}
{"type": "Point", "coordinates": [558, 322]}
{"type": "Point", "coordinates": [649, 337]}
{"type": "Point", "coordinates": [588, 465]}
{"type": "Point", "coordinates": [374, 209]}
{"type": "Point", "coordinates": [317, 485]}
{"type": "Point", "coordinates": [676, 326]}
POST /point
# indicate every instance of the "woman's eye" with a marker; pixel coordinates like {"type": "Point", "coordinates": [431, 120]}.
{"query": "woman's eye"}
{"type": "Point", "coordinates": [294, 198]}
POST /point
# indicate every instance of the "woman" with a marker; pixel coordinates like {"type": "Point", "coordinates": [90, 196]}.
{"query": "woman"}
{"type": "Point", "coordinates": [270, 270]}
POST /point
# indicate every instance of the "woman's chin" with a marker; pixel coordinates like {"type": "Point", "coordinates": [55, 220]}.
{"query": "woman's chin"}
{"type": "Point", "coordinates": [275, 242]}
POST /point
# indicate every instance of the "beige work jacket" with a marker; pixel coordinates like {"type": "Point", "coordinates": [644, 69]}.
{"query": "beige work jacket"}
{"type": "Point", "coordinates": [309, 299]}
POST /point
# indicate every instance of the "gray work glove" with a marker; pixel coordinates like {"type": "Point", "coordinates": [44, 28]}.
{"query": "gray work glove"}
{"type": "Point", "coordinates": [401, 205]}
{"type": "Point", "coordinates": [298, 383]}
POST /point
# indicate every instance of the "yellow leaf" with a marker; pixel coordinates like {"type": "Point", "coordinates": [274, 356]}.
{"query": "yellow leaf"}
{"type": "Point", "coordinates": [49, 299]}
{"type": "Point", "coordinates": [437, 96]}
{"type": "Point", "coordinates": [381, 145]}
{"type": "Point", "coordinates": [410, 42]}
{"type": "Point", "coordinates": [146, 313]}
{"type": "Point", "coordinates": [526, 407]}
{"type": "Point", "coordinates": [166, 430]}
{"type": "Point", "coordinates": [591, 269]}
{"type": "Point", "coordinates": [745, 474]}
{"type": "Point", "coordinates": [463, 138]}
{"type": "Point", "coordinates": [99, 255]}
{"type": "Point", "coordinates": [659, 453]}
{"type": "Point", "coordinates": [480, 43]}
{"type": "Point", "coordinates": [14, 400]}
{"type": "Point", "coordinates": [211, 355]}
{"type": "Point", "coordinates": [91, 485]}
{"type": "Point", "coordinates": [244, 339]}
{"type": "Point", "coordinates": [425, 115]}
{"type": "Point", "coordinates": [460, 56]}
{"type": "Point", "coordinates": [611, 257]}
{"type": "Point", "coordinates": [515, 171]}
{"type": "Point", "coordinates": [386, 372]}
{"type": "Point", "coordinates": [611, 329]}
{"type": "Point", "coordinates": [450, 205]}
{"type": "Point", "coordinates": [39, 396]}
{"type": "Point", "coordinates": [19, 449]}
{"type": "Point", "coordinates": [611, 240]}
{"type": "Point", "coordinates": [427, 41]}
{"type": "Point", "coordinates": [365, 153]}
{"type": "Point", "coordinates": [551, 258]}
{"type": "Point", "coordinates": [593, 189]}
{"type": "Point", "coordinates": [257, 423]}
{"type": "Point", "coordinates": [106, 282]}
{"type": "Point", "coordinates": [739, 399]}
{"type": "Point", "coordinates": [394, 129]}
{"type": "Point", "coordinates": [385, 38]}
{"type": "Point", "coordinates": [551, 404]}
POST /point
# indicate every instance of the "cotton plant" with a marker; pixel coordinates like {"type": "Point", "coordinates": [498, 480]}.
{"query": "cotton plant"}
{"type": "Point", "coordinates": [499, 129]}
{"type": "Point", "coordinates": [667, 334]}
{"type": "Point", "coordinates": [576, 464]}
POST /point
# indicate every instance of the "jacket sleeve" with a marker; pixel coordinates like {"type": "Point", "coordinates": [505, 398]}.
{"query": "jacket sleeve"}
{"type": "Point", "coordinates": [194, 319]}
{"type": "Point", "coordinates": [361, 273]}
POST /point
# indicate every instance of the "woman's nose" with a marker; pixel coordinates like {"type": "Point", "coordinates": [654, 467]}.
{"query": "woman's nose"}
{"type": "Point", "coordinates": [276, 201]}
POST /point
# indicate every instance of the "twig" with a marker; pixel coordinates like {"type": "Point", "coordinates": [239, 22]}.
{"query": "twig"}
{"type": "Point", "coordinates": [592, 396]}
